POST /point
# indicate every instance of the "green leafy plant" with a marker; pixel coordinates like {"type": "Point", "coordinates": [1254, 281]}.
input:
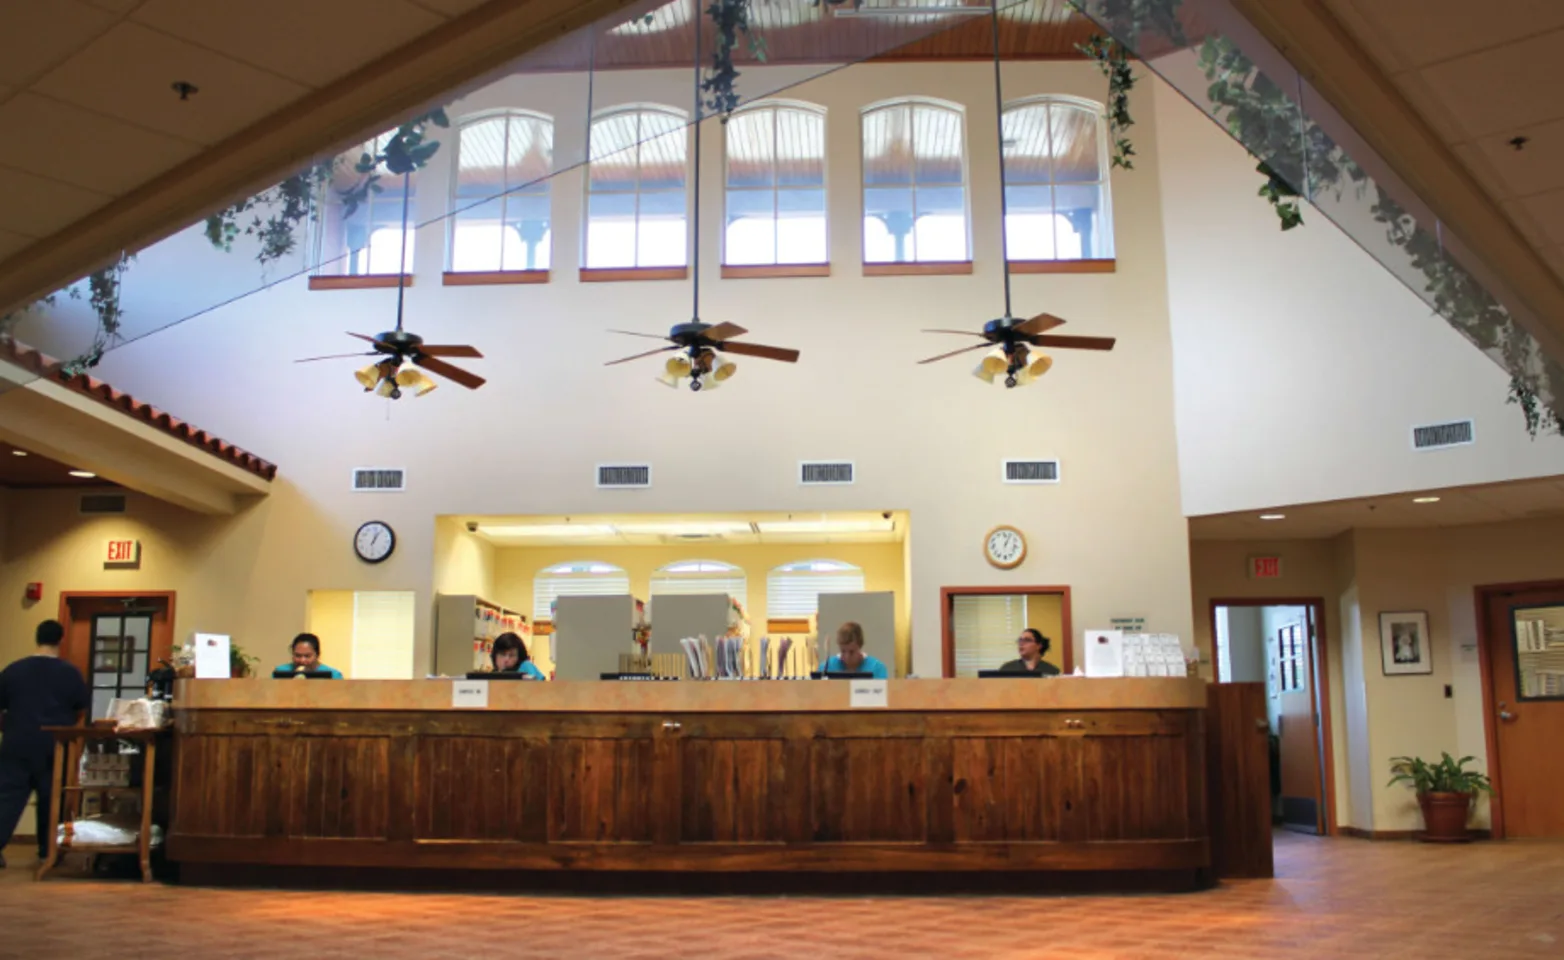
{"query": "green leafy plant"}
{"type": "Point", "coordinates": [103, 295]}
{"type": "Point", "coordinates": [731, 18]}
{"type": "Point", "coordinates": [239, 661]}
{"type": "Point", "coordinates": [1112, 58]}
{"type": "Point", "coordinates": [1448, 775]}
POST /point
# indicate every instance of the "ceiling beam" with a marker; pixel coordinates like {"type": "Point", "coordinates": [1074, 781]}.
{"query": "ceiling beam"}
{"type": "Point", "coordinates": [360, 104]}
{"type": "Point", "coordinates": [1342, 72]}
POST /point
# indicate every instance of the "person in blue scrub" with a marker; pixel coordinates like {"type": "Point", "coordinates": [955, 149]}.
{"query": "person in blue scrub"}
{"type": "Point", "coordinates": [306, 656]}
{"type": "Point", "coordinates": [510, 655]}
{"type": "Point", "coordinates": [850, 657]}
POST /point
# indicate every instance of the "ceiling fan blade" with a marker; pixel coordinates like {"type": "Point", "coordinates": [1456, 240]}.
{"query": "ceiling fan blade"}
{"type": "Point", "coordinates": [1041, 323]}
{"type": "Point", "coordinates": [962, 333]}
{"type": "Point", "coordinates": [759, 350]}
{"type": "Point", "coordinates": [979, 346]}
{"type": "Point", "coordinates": [1073, 343]}
{"type": "Point", "coordinates": [370, 339]}
{"type": "Point", "coordinates": [649, 353]}
{"type": "Point", "coordinates": [632, 333]}
{"type": "Point", "coordinates": [338, 356]}
{"type": "Point", "coordinates": [456, 374]}
{"type": "Point", "coordinates": [449, 350]}
{"type": "Point", "coordinates": [724, 331]}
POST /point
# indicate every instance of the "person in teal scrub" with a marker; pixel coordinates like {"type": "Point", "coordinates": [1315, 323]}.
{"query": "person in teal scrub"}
{"type": "Point", "coordinates": [850, 657]}
{"type": "Point", "coordinates": [509, 655]}
{"type": "Point", "coordinates": [306, 656]}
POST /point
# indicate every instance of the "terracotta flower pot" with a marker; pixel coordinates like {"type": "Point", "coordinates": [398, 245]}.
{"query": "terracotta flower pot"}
{"type": "Point", "coordinates": [1444, 816]}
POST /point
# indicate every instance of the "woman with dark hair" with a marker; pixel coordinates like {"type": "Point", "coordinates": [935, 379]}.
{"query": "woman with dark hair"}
{"type": "Point", "coordinates": [510, 655]}
{"type": "Point", "coordinates": [305, 649]}
{"type": "Point", "coordinates": [1031, 644]}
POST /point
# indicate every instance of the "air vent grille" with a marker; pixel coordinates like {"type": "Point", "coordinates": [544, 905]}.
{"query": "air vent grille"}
{"type": "Point", "coordinates": [379, 479]}
{"type": "Point", "coordinates": [1031, 471]}
{"type": "Point", "coordinates": [624, 476]}
{"type": "Point", "coordinates": [103, 503]}
{"type": "Point", "coordinates": [1437, 436]}
{"type": "Point", "coordinates": [814, 473]}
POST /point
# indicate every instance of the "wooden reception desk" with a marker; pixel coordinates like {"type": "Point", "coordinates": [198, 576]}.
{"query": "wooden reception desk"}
{"type": "Point", "coordinates": [1033, 775]}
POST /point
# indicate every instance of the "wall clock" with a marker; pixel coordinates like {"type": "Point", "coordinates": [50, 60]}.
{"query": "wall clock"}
{"type": "Point", "coordinates": [1005, 547]}
{"type": "Point", "coordinates": [374, 541]}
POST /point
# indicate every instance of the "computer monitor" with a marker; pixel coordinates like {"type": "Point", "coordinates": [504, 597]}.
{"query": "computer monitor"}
{"type": "Point", "coordinates": [842, 675]}
{"type": "Point", "coordinates": [497, 675]}
{"type": "Point", "coordinates": [1006, 674]}
{"type": "Point", "coordinates": [288, 673]}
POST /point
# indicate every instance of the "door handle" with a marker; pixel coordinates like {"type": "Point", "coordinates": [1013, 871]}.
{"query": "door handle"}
{"type": "Point", "coordinates": [1506, 716]}
{"type": "Point", "coordinates": [1263, 725]}
{"type": "Point", "coordinates": [672, 725]}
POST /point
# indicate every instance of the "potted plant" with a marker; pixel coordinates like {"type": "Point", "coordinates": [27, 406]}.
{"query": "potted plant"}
{"type": "Point", "coordinates": [1445, 791]}
{"type": "Point", "coordinates": [239, 661]}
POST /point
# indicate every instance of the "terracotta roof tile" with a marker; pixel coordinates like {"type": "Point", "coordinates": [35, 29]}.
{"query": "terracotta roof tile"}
{"type": "Point", "coordinates": [44, 365]}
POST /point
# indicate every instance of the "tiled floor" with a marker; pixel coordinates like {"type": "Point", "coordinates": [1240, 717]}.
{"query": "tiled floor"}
{"type": "Point", "coordinates": [1332, 898]}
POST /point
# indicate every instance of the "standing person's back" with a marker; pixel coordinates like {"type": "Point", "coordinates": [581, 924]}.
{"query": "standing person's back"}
{"type": "Point", "coordinates": [35, 692]}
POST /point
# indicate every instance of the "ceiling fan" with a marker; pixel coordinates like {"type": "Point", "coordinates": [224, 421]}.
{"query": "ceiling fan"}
{"type": "Point", "coordinates": [698, 344]}
{"type": "Point", "coordinates": [1010, 341]}
{"type": "Point", "coordinates": [388, 376]}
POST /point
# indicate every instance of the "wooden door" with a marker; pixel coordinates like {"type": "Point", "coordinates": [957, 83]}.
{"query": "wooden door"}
{"type": "Point", "coordinates": [1525, 651]}
{"type": "Point", "coordinates": [1238, 768]}
{"type": "Point", "coordinates": [121, 634]}
{"type": "Point", "coordinates": [1299, 728]}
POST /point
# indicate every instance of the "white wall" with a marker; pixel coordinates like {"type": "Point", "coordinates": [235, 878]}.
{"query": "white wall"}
{"type": "Point", "coordinates": [1300, 363]}
{"type": "Point", "coordinates": [1246, 645]}
{"type": "Point", "coordinates": [928, 439]}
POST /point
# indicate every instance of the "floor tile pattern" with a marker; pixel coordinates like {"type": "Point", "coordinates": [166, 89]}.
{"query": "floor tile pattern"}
{"type": "Point", "coordinates": [1332, 898]}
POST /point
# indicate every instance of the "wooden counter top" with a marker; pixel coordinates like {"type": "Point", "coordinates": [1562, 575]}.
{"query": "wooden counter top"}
{"type": "Point", "coordinates": [696, 696]}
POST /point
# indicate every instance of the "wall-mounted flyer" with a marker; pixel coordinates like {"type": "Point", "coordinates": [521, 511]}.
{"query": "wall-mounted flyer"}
{"type": "Point", "coordinates": [1104, 653]}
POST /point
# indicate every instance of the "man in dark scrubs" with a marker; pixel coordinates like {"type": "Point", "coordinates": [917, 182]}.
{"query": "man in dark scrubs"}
{"type": "Point", "coordinates": [1031, 644]}
{"type": "Point", "coordinates": [35, 692]}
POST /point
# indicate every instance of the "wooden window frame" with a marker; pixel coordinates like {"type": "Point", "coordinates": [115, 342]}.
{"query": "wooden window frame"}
{"type": "Point", "coordinates": [930, 268]}
{"type": "Point", "coordinates": [508, 115]}
{"type": "Point", "coordinates": [1065, 266]}
{"type": "Point", "coordinates": [863, 186]}
{"type": "Point", "coordinates": [479, 278]}
{"type": "Point", "coordinates": [947, 620]}
{"type": "Point", "coordinates": [1104, 183]}
{"type": "Point", "coordinates": [745, 270]}
{"type": "Point", "coordinates": [586, 208]}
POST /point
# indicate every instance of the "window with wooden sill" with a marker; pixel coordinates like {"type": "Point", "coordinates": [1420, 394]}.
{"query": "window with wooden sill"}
{"type": "Point", "coordinates": [363, 281]}
{"type": "Point", "coordinates": [928, 268]}
{"type": "Point", "coordinates": [616, 274]}
{"type": "Point", "coordinates": [481, 278]}
{"type": "Point", "coordinates": [756, 271]}
{"type": "Point", "coordinates": [1064, 266]}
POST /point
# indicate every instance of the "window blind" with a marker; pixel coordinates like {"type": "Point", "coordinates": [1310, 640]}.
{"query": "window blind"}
{"type": "Point", "coordinates": [546, 588]}
{"type": "Point", "coordinates": [382, 635]}
{"type": "Point", "coordinates": [797, 594]}
{"type": "Point", "coordinates": [985, 630]}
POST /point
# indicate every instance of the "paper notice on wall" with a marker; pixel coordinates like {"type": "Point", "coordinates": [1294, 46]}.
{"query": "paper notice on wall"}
{"type": "Point", "coordinates": [869, 694]}
{"type": "Point", "coordinates": [470, 695]}
{"type": "Point", "coordinates": [211, 656]}
{"type": "Point", "coordinates": [1104, 653]}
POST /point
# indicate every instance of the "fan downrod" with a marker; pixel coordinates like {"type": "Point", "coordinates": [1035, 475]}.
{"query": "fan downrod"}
{"type": "Point", "coordinates": [398, 342]}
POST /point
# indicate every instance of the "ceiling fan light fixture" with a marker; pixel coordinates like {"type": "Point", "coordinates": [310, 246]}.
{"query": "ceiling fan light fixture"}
{"type": "Point", "coordinates": [725, 369]}
{"type": "Point", "coordinates": [415, 381]}
{"type": "Point", "coordinates": [991, 366]}
{"type": "Point", "coordinates": [369, 377]}
{"type": "Point", "coordinates": [1040, 364]}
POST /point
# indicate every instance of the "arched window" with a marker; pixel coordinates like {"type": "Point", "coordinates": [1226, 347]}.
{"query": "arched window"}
{"type": "Point", "coordinates": [363, 238]}
{"type": "Point", "coordinates": [775, 185]}
{"type": "Point", "coordinates": [635, 189]}
{"type": "Point", "coordinates": [914, 183]}
{"type": "Point", "coordinates": [1056, 180]}
{"type": "Point", "coordinates": [500, 193]}
{"type": "Point", "coordinates": [700, 576]}
{"type": "Point", "coordinates": [579, 578]}
{"type": "Point", "coordinates": [793, 589]}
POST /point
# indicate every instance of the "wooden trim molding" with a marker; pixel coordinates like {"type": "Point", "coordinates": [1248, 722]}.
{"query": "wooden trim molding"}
{"type": "Point", "coordinates": [618, 274]}
{"type": "Point", "coordinates": [792, 625]}
{"type": "Point", "coordinates": [363, 282]}
{"type": "Point", "coordinates": [481, 278]}
{"type": "Point", "coordinates": [543, 628]}
{"type": "Point", "coordinates": [1064, 266]}
{"type": "Point", "coordinates": [335, 117]}
{"type": "Point", "coordinates": [931, 269]}
{"type": "Point", "coordinates": [760, 271]}
{"type": "Point", "coordinates": [1476, 833]}
{"type": "Point", "coordinates": [947, 596]}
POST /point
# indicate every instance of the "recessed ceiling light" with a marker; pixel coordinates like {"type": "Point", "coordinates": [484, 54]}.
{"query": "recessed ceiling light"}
{"type": "Point", "coordinates": [18, 453]}
{"type": "Point", "coordinates": [1425, 499]}
{"type": "Point", "coordinates": [1273, 516]}
{"type": "Point", "coordinates": [84, 474]}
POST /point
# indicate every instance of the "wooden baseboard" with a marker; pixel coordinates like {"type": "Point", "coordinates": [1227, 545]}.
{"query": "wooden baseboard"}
{"type": "Point", "coordinates": [1478, 833]}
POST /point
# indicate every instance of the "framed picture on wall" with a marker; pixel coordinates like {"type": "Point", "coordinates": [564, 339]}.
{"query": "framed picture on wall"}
{"type": "Point", "coordinates": [1403, 643]}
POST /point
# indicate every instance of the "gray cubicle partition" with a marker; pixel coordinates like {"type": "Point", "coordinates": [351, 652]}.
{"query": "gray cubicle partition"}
{"type": "Point", "coordinates": [589, 635]}
{"type": "Point", "coordinates": [875, 612]}
{"type": "Point", "coordinates": [687, 615]}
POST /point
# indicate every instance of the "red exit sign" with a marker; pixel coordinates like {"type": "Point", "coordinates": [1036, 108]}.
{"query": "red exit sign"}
{"type": "Point", "coordinates": [1265, 568]}
{"type": "Point", "coordinates": [122, 553]}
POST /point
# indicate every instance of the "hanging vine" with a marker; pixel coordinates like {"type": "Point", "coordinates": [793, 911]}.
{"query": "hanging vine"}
{"type": "Point", "coordinates": [719, 85]}
{"type": "Point", "coordinates": [1112, 58]}
{"type": "Point", "coordinates": [103, 296]}
{"type": "Point", "coordinates": [275, 215]}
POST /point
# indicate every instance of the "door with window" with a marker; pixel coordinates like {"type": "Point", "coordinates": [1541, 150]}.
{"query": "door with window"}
{"type": "Point", "coordinates": [114, 640]}
{"type": "Point", "coordinates": [1298, 727]}
{"type": "Point", "coordinates": [1525, 651]}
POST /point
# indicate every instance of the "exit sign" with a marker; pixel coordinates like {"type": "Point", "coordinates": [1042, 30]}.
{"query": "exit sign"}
{"type": "Point", "coordinates": [122, 554]}
{"type": "Point", "coordinates": [1265, 568]}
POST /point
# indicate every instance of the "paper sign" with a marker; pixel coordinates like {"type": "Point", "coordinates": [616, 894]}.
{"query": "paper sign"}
{"type": "Point", "coordinates": [869, 693]}
{"type": "Point", "coordinates": [470, 694]}
{"type": "Point", "coordinates": [211, 656]}
{"type": "Point", "coordinates": [1104, 653]}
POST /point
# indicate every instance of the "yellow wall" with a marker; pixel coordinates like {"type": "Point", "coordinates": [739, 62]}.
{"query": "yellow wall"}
{"type": "Point", "coordinates": [883, 569]}
{"type": "Point", "coordinates": [1045, 612]}
{"type": "Point", "coordinates": [329, 616]}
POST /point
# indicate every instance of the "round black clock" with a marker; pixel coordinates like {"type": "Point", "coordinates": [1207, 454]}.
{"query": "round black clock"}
{"type": "Point", "coordinates": [374, 541]}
